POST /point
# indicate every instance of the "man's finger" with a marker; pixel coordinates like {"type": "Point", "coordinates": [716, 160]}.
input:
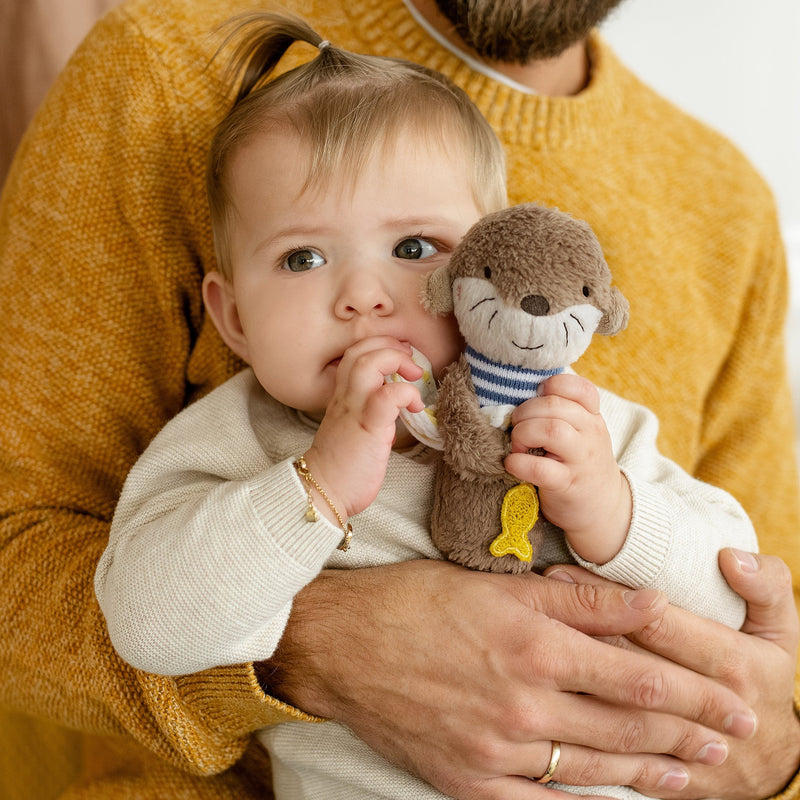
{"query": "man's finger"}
{"type": "Point", "coordinates": [765, 582]}
{"type": "Point", "coordinates": [596, 608]}
{"type": "Point", "coordinates": [641, 682]}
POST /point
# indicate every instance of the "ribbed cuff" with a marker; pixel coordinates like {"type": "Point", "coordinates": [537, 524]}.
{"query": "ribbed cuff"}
{"type": "Point", "coordinates": [231, 699]}
{"type": "Point", "coordinates": [646, 547]}
{"type": "Point", "coordinates": [281, 503]}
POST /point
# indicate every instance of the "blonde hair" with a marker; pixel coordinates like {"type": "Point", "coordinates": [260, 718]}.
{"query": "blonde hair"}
{"type": "Point", "coordinates": [343, 106]}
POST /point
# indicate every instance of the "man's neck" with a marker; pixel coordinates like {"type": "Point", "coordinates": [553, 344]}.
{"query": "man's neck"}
{"type": "Point", "coordinates": [562, 76]}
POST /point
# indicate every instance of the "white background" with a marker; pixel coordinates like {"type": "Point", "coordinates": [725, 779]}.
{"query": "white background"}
{"type": "Point", "coordinates": [736, 65]}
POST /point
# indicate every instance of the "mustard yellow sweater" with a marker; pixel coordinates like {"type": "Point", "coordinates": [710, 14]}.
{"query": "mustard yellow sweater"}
{"type": "Point", "coordinates": [104, 238]}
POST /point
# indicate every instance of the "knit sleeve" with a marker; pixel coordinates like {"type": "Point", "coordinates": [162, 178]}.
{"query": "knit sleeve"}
{"type": "Point", "coordinates": [679, 524]}
{"type": "Point", "coordinates": [100, 248]}
{"type": "Point", "coordinates": [748, 432]}
{"type": "Point", "coordinates": [209, 543]}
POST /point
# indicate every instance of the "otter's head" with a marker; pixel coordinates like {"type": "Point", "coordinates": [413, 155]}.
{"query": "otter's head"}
{"type": "Point", "coordinates": [529, 286]}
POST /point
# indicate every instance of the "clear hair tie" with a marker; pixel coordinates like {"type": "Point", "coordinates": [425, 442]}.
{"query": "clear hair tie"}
{"type": "Point", "coordinates": [324, 44]}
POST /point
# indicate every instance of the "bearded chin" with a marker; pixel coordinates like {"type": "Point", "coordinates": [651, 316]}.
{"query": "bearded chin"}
{"type": "Point", "coordinates": [522, 31]}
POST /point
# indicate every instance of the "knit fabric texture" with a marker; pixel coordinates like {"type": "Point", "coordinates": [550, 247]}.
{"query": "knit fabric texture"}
{"type": "Point", "coordinates": [219, 478]}
{"type": "Point", "coordinates": [104, 239]}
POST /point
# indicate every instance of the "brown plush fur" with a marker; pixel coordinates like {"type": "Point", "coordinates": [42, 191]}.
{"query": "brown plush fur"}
{"type": "Point", "coordinates": [528, 265]}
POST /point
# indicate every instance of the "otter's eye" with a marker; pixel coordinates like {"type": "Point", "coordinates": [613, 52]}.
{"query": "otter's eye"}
{"type": "Point", "coordinates": [487, 273]}
{"type": "Point", "coordinates": [586, 291]}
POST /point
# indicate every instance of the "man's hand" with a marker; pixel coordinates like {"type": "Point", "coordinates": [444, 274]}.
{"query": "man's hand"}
{"type": "Point", "coordinates": [464, 678]}
{"type": "Point", "coordinates": [758, 663]}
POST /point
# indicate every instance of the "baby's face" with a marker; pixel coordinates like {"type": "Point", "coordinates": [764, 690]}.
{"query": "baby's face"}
{"type": "Point", "coordinates": [317, 270]}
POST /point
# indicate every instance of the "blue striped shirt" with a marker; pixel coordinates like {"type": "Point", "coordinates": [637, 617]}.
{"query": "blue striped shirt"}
{"type": "Point", "coordinates": [504, 384]}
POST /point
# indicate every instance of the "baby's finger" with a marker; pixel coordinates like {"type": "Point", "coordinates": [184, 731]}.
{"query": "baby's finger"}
{"type": "Point", "coordinates": [558, 407]}
{"type": "Point", "coordinates": [363, 368]}
{"type": "Point", "coordinates": [364, 347]}
{"type": "Point", "coordinates": [548, 474]}
{"type": "Point", "coordinates": [382, 407]}
{"type": "Point", "coordinates": [573, 387]}
{"type": "Point", "coordinates": [558, 436]}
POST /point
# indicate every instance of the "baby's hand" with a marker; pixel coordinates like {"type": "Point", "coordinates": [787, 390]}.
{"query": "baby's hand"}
{"type": "Point", "coordinates": [351, 449]}
{"type": "Point", "coordinates": [581, 488]}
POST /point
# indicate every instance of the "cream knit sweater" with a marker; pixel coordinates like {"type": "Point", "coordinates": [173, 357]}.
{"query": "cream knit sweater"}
{"type": "Point", "coordinates": [104, 237]}
{"type": "Point", "coordinates": [210, 544]}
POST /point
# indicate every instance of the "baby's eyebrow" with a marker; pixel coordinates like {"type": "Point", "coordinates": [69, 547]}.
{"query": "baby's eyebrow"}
{"type": "Point", "coordinates": [417, 221]}
{"type": "Point", "coordinates": [300, 235]}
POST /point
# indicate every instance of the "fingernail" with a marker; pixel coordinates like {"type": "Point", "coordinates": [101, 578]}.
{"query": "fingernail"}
{"type": "Point", "coordinates": [741, 725]}
{"type": "Point", "coordinates": [674, 780]}
{"type": "Point", "coordinates": [747, 561]}
{"type": "Point", "coordinates": [643, 599]}
{"type": "Point", "coordinates": [713, 754]}
{"type": "Point", "coordinates": [561, 575]}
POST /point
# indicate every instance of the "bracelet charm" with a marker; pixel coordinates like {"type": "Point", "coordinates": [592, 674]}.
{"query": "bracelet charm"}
{"type": "Point", "coordinates": [312, 515]}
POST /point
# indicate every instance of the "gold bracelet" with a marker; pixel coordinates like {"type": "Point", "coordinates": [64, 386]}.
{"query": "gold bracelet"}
{"type": "Point", "coordinates": [312, 515]}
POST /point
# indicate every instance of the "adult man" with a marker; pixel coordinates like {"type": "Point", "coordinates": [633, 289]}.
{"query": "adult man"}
{"type": "Point", "coordinates": [101, 217]}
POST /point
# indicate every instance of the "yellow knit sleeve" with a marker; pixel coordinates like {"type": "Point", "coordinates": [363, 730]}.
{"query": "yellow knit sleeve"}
{"type": "Point", "coordinates": [103, 234]}
{"type": "Point", "coordinates": [210, 715]}
{"type": "Point", "coordinates": [748, 433]}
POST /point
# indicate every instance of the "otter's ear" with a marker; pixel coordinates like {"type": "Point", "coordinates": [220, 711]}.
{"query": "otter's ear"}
{"type": "Point", "coordinates": [437, 293]}
{"type": "Point", "coordinates": [615, 317]}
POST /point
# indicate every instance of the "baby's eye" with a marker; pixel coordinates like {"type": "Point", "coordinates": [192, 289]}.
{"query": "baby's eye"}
{"type": "Point", "coordinates": [303, 260]}
{"type": "Point", "coordinates": [414, 248]}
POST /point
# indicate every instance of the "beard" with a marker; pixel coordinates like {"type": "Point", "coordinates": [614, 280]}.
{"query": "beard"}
{"type": "Point", "coordinates": [522, 31]}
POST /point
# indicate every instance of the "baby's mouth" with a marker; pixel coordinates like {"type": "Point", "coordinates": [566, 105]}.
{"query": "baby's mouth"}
{"type": "Point", "coordinates": [334, 362]}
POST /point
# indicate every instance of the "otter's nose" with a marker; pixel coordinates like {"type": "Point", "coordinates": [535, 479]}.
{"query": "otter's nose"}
{"type": "Point", "coordinates": [535, 304]}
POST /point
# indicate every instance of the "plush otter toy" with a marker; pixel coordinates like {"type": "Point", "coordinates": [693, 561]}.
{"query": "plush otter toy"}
{"type": "Point", "coordinates": [529, 286]}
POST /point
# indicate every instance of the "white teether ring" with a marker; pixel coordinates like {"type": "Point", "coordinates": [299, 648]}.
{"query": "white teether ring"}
{"type": "Point", "coordinates": [422, 424]}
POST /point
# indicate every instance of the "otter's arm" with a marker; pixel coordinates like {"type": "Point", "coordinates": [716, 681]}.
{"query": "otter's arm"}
{"type": "Point", "coordinates": [472, 447]}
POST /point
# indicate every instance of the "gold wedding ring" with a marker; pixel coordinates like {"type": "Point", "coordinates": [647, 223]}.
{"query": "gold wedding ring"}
{"type": "Point", "coordinates": [555, 755]}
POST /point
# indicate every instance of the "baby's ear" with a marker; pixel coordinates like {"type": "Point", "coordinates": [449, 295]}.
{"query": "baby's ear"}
{"type": "Point", "coordinates": [615, 317]}
{"type": "Point", "coordinates": [220, 302]}
{"type": "Point", "coordinates": [437, 293]}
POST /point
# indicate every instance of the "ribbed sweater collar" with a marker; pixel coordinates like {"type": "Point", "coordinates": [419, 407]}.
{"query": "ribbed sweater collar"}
{"type": "Point", "coordinates": [536, 121]}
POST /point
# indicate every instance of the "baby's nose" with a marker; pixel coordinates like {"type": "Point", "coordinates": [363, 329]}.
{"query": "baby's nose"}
{"type": "Point", "coordinates": [362, 293]}
{"type": "Point", "coordinates": [535, 304]}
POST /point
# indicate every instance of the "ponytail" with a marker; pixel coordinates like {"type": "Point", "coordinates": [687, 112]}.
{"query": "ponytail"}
{"type": "Point", "coordinates": [265, 38]}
